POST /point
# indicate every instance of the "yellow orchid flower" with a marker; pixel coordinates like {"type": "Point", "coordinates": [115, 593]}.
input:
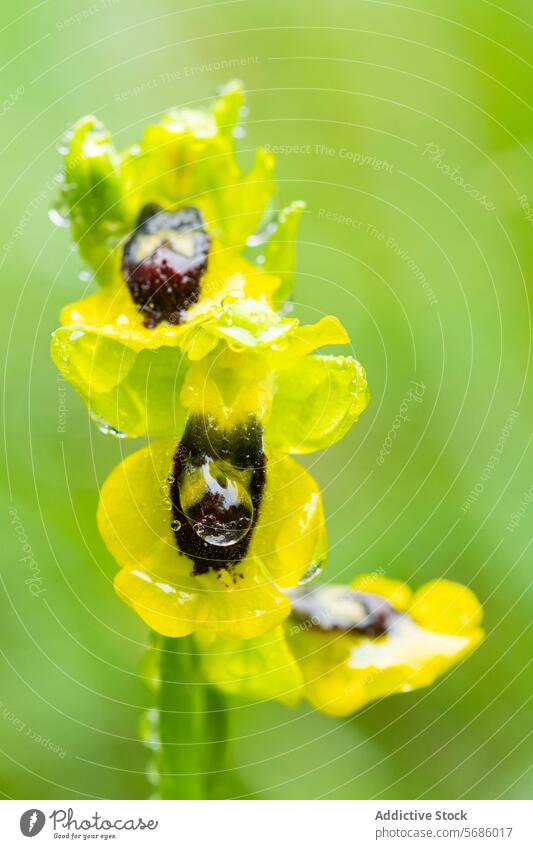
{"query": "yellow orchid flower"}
{"type": "Point", "coordinates": [345, 646]}
{"type": "Point", "coordinates": [210, 526]}
{"type": "Point", "coordinates": [207, 530]}
{"type": "Point", "coordinates": [162, 226]}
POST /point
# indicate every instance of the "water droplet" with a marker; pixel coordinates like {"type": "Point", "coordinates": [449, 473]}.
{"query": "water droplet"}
{"type": "Point", "coordinates": [175, 524]}
{"type": "Point", "coordinates": [109, 430]}
{"type": "Point", "coordinates": [56, 218]}
{"type": "Point", "coordinates": [216, 503]}
{"type": "Point", "coordinates": [105, 427]}
{"type": "Point", "coordinates": [286, 309]}
{"type": "Point", "coordinates": [312, 572]}
{"type": "Point", "coordinates": [64, 142]}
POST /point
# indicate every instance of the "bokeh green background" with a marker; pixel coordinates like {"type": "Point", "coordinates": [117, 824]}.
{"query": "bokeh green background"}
{"type": "Point", "coordinates": [374, 81]}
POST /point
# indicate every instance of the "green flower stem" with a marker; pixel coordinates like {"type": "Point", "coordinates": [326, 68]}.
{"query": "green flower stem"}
{"type": "Point", "coordinates": [192, 754]}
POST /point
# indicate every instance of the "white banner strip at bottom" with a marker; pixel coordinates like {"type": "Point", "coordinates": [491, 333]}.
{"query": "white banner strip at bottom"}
{"type": "Point", "coordinates": [267, 824]}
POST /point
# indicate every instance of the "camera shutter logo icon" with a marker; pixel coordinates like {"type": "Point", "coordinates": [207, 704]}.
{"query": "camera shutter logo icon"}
{"type": "Point", "coordinates": [32, 822]}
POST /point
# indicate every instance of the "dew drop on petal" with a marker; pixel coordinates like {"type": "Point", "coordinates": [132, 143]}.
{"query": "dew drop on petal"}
{"type": "Point", "coordinates": [57, 218]}
{"type": "Point", "coordinates": [312, 572]}
{"type": "Point", "coordinates": [106, 428]}
{"type": "Point", "coordinates": [217, 504]}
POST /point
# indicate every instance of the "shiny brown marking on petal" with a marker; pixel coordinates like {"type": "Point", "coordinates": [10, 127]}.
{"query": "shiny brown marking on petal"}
{"type": "Point", "coordinates": [164, 261]}
{"type": "Point", "coordinates": [340, 608]}
{"type": "Point", "coordinates": [216, 488]}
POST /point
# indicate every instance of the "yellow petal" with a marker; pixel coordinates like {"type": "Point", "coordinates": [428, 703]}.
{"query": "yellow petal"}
{"type": "Point", "coordinates": [112, 312]}
{"type": "Point", "coordinates": [397, 593]}
{"type": "Point", "coordinates": [446, 606]}
{"type": "Point", "coordinates": [156, 580]}
{"type": "Point", "coordinates": [329, 684]}
{"type": "Point", "coordinates": [408, 657]}
{"type": "Point", "coordinates": [290, 537]}
{"type": "Point", "coordinates": [242, 603]}
{"type": "Point", "coordinates": [308, 337]}
{"type": "Point", "coordinates": [165, 605]}
{"type": "Point", "coordinates": [343, 671]}
{"type": "Point", "coordinates": [134, 510]}
{"type": "Point", "coordinates": [236, 605]}
{"type": "Point", "coordinates": [317, 399]}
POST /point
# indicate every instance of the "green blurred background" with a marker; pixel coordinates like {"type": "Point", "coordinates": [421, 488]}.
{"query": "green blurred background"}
{"type": "Point", "coordinates": [385, 100]}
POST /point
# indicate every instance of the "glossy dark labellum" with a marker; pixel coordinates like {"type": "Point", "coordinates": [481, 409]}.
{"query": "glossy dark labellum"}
{"type": "Point", "coordinates": [164, 261]}
{"type": "Point", "coordinates": [339, 608]}
{"type": "Point", "coordinates": [216, 488]}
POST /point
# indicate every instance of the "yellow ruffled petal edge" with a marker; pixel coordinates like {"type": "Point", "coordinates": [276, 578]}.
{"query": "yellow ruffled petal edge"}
{"type": "Point", "coordinates": [290, 538]}
{"type": "Point", "coordinates": [446, 606]}
{"type": "Point", "coordinates": [112, 312]}
{"type": "Point", "coordinates": [176, 606]}
{"type": "Point", "coordinates": [376, 671]}
{"type": "Point", "coordinates": [316, 401]}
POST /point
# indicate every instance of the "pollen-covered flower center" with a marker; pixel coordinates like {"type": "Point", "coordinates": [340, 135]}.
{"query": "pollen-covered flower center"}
{"type": "Point", "coordinates": [216, 488]}
{"type": "Point", "coordinates": [340, 608]}
{"type": "Point", "coordinates": [163, 262]}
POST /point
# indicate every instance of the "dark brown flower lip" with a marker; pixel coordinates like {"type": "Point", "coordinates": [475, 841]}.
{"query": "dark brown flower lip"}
{"type": "Point", "coordinates": [164, 261]}
{"type": "Point", "coordinates": [239, 450]}
{"type": "Point", "coordinates": [331, 608]}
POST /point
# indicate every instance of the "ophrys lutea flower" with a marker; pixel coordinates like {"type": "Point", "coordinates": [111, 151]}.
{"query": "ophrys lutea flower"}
{"type": "Point", "coordinates": [345, 646]}
{"type": "Point", "coordinates": [211, 525]}
{"type": "Point", "coordinates": [162, 226]}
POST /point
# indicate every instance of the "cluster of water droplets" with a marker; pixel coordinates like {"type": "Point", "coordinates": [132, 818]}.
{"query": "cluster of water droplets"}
{"type": "Point", "coordinates": [59, 214]}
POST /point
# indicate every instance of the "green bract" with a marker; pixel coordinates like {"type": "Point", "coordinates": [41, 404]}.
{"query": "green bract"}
{"type": "Point", "coordinates": [127, 372]}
